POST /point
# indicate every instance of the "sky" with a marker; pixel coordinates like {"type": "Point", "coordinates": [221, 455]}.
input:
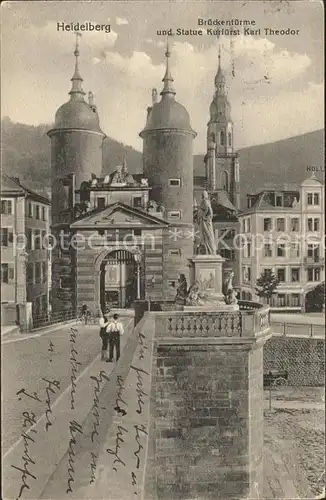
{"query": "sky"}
{"type": "Point", "coordinates": [275, 83]}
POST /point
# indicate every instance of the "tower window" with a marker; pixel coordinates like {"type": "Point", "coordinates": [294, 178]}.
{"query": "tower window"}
{"type": "Point", "coordinates": [213, 138]}
{"type": "Point", "coordinates": [137, 201]}
{"type": "Point", "coordinates": [230, 139]}
{"type": "Point", "coordinates": [100, 202]}
{"type": "Point", "coordinates": [225, 181]}
{"type": "Point", "coordinates": [174, 214]}
{"type": "Point", "coordinates": [174, 251]}
{"type": "Point", "coordinates": [174, 182]}
{"type": "Point", "coordinates": [222, 138]}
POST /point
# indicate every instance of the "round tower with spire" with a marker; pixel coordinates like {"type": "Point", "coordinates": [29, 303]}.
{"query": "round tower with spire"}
{"type": "Point", "coordinates": [76, 142]}
{"type": "Point", "coordinates": [76, 154]}
{"type": "Point", "coordinates": [168, 165]}
{"type": "Point", "coordinates": [222, 163]}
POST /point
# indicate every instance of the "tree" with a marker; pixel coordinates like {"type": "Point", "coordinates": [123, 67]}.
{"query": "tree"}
{"type": "Point", "coordinates": [315, 299]}
{"type": "Point", "coordinates": [266, 285]}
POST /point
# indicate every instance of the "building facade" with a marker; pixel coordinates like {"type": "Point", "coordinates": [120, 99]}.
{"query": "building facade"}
{"type": "Point", "coordinates": [283, 231]}
{"type": "Point", "coordinates": [25, 256]}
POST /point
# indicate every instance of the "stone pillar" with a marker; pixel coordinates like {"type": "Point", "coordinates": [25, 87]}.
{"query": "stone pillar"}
{"type": "Point", "coordinates": [209, 406]}
{"type": "Point", "coordinates": [207, 270]}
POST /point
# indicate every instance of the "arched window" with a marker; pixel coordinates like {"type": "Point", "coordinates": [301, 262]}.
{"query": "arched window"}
{"type": "Point", "coordinates": [222, 138]}
{"type": "Point", "coordinates": [225, 181]}
{"type": "Point", "coordinates": [213, 137]}
{"type": "Point", "coordinates": [230, 139]}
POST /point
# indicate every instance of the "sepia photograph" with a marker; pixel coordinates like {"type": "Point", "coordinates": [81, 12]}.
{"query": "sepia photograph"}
{"type": "Point", "coordinates": [162, 250]}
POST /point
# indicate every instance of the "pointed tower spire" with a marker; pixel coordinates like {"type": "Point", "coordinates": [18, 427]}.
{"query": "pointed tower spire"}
{"type": "Point", "coordinates": [76, 88]}
{"type": "Point", "coordinates": [168, 80]}
{"type": "Point", "coordinates": [219, 78]}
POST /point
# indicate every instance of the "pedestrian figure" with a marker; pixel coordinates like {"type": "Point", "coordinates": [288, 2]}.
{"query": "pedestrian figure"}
{"type": "Point", "coordinates": [115, 329]}
{"type": "Point", "coordinates": [105, 338]}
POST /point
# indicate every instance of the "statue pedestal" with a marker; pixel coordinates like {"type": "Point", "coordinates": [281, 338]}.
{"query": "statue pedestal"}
{"type": "Point", "coordinates": [207, 271]}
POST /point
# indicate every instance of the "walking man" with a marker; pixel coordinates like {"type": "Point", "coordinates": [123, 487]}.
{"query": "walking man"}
{"type": "Point", "coordinates": [105, 337]}
{"type": "Point", "coordinates": [115, 329]}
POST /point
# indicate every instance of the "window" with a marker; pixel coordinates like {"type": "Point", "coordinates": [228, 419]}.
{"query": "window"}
{"type": "Point", "coordinates": [279, 201]}
{"type": "Point", "coordinates": [295, 250]}
{"type": "Point", "coordinates": [100, 202]}
{"type": "Point", "coordinates": [6, 236]}
{"type": "Point", "coordinates": [268, 252]}
{"type": "Point", "coordinates": [246, 274]}
{"type": "Point", "coordinates": [230, 139]}
{"type": "Point", "coordinates": [267, 224]}
{"type": "Point", "coordinates": [44, 240]}
{"type": "Point", "coordinates": [43, 213]}
{"type": "Point", "coordinates": [44, 272]}
{"type": "Point", "coordinates": [316, 224]}
{"type": "Point", "coordinates": [37, 272]}
{"type": "Point", "coordinates": [247, 225]}
{"type": "Point", "coordinates": [137, 202]}
{"type": "Point", "coordinates": [313, 198]}
{"type": "Point", "coordinates": [267, 270]}
{"type": "Point", "coordinates": [6, 207]}
{"type": "Point", "coordinates": [174, 251]}
{"type": "Point", "coordinates": [281, 300]}
{"type": "Point", "coordinates": [222, 138]}
{"type": "Point", "coordinates": [37, 239]}
{"type": "Point", "coordinates": [137, 232]}
{"type": "Point", "coordinates": [280, 251]}
{"type": "Point", "coordinates": [313, 273]}
{"type": "Point", "coordinates": [172, 283]}
{"type": "Point", "coordinates": [295, 274]}
{"type": "Point", "coordinates": [227, 253]}
{"type": "Point", "coordinates": [29, 236]}
{"type": "Point", "coordinates": [280, 273]}
{"type": "Point", "coordinates": [248, 249]}
{"type": "Point", "coordinates": [37, 212]}
{"type": "Point", "coordinates": [225, 180]}
{"type": "Point", "coordinates": [227, 233]}
{"type": "Point", "coordinates": [30, 273]}
{"type": "Point", "coordinates": [294, 300]}
{"type": "Point", "coordinates": [174, 182]}
{"type": "Point", "coordinates": [313, 252]}
{"type": "Point", "coordinates": [309, 224]}
{"type": "Point", "coordinates": [295, 225]}
{"type": "Point", "coordinates": [280, 224]}
{"type": "Point", "coordinates": [29, 210]}
{"type": "Point", "coordinates": [7, 273]}
{"type": "Point", "coordinates": [174, 214]}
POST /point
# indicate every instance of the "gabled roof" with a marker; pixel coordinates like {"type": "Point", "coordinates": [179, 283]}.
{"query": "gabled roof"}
{"type": "Point", "coordinates": [11, 186]}
{"type": "Point", "coordinates": [109, 216]}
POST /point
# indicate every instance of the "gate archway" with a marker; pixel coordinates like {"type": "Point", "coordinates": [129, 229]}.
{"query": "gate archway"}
{"type": "Point", "coordinates": [118, 280]}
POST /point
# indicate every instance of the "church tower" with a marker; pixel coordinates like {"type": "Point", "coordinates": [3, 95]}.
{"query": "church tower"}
{"type": "Point", "coordinates": [76, 153]}
{"type": "Point", "coordinates": [221, 160]}
{"type": "Point", "coordinates": [168, 165]}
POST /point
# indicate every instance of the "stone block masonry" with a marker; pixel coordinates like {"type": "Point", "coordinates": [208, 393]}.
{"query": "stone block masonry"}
{"type": "Point", "coordinates": [208, 421]}
{"type": "Point", "coordinates": [302, 358]}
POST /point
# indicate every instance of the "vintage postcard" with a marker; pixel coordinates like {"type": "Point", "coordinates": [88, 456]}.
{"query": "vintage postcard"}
{"type": "Point", "coordinates": [162, 250]}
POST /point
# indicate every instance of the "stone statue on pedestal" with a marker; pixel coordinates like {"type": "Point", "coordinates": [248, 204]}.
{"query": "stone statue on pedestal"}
{"type": "Point", "coordinates": [205, 218]}
{"type": "Point", "coordinates": [228, 291]}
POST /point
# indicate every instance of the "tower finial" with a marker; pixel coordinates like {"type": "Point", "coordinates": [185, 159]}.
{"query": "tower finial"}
{"type": "Point", "coordinates": [168, 87]}
{"type": "Point", "coordinates": [76, 88]}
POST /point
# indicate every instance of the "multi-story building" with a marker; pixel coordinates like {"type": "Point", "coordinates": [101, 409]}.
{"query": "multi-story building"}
{"type": "Point", "coordinates": [24, 253]}
{"type": "Point", "coordinates": [283, 231]}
